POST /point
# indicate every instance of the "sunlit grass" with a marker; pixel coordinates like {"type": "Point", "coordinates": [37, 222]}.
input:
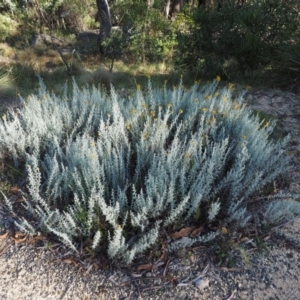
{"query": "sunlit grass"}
{"type": "Point", "coordinates": [6, 50]}
{"type": "Point", "coordinates": [38, 60]}
{"type": "Point", "coordinates": [92, 69]}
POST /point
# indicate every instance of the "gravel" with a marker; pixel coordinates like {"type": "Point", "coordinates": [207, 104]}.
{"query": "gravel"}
{"type": "Point", "coordinates": [37, 273]}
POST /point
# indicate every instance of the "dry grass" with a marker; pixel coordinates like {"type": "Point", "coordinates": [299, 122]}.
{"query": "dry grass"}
{"type": "Point", "coordinates": [7, 51]}
{"type": "Point", "coordinates": [38, 60]}
{"type": "Point", "coordinates": [91, 69]}
{"type": "Point", "coordinates": [47, 61]}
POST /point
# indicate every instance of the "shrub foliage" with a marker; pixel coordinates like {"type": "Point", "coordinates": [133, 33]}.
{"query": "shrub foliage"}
{"type": "Point", "coordinates": [237, 37]}
{"type": "Point", "coordinates": [113, 172]}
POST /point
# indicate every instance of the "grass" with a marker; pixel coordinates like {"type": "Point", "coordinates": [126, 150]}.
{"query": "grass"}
{"type": "Point", "coordinates": [49, 65]}
{"type": "Point", "coordinates": [92, 69]}
{"type": "Point", "coordinates": [6, 50]}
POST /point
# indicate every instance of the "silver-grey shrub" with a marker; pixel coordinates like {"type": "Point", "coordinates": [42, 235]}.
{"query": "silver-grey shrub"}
{"type": "Point", "coordinates": [102, 167]}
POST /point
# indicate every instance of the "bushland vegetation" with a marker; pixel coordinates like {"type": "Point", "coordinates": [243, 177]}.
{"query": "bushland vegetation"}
{"type": "Point", "coordinates": [112, 160]}
{"type": "Point", "coordinates": [246, 41]}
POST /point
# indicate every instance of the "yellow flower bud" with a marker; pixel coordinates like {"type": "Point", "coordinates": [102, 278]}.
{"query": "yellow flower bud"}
{"type": "Point", "coordinates": [231, 86]}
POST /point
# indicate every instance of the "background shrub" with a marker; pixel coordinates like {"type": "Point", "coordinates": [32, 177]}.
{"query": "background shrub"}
{"type": "Point", "coordinates": [113, 171]}
{"type": "Point", "coordinates": [286, 68]}
{"type": "Point", "coordinates": [240, 40]}
{"type": "Point", "coordinates": [235, 39]}
{"type": "Point", "coordinates": [152, 36]}
{"type": "Point", "coordinates": [22, 18]}
{"type": "Point", "coordinates": [8, 27]}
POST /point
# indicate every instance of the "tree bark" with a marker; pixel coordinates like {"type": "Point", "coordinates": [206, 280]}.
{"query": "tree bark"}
{"type": "Point", "coordinates": [105, 22]}
{"type": "Point", "coordinates": [167, 8]}
{"type": "Point", "coordinates": [172, 7]}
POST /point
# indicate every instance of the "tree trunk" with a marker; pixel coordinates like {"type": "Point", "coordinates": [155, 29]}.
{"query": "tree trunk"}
{"type": "Point", "coordinates": [206, 3]}
{"type": "Point", "coordinates": [167, 8]}
{"type": "Point", "coordinates": [176, 6]}
{"type": "Point", "coordinates": [105, 22]}
{"type": "Point", "coordinates": [172, 7]}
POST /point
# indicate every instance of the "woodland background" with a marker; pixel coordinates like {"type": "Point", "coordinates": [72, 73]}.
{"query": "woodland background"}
{"type": "Point", "coordinates": [250, 42]}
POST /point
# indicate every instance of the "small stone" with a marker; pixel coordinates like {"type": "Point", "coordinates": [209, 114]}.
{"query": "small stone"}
{"type": "Point", "coordinates": [22, 272]}
{"type": "Point", "coordinates": [202, 283]}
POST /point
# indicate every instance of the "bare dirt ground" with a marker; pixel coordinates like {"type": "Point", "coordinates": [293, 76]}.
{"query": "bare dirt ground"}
{"type": "Point", "coordinates": [266, 268]}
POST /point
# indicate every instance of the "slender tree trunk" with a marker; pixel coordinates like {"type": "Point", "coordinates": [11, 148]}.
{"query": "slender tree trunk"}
{"type": "Point", "coordinates": [150, 3]}
{"type": "Point", "coordinates": [176, 6]}
{"type": "Point", "coordinates": [105, 22]}
{"type": "Point", "coordinates": [172, 7]}
{"type": "Point", "coordinates": [167, 8]}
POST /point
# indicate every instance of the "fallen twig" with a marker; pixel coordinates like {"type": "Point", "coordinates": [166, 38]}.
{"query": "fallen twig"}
{"type": "Point", "coordinates": [183, 283]}
{"type": "Point", "coordinates": [112, 280]}
{"type": "Point", "coordinates": [232, 295]}
{"type": "Point", "coordinates": [166, 267]}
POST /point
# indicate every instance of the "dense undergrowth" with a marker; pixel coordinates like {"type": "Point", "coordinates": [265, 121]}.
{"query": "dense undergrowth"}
{"type": "Point", "coordinates": [248, 42]}
{"type": "Point", "coordinates": [117, 173]}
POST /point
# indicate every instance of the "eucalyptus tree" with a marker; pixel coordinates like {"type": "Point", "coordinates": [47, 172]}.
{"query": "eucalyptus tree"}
{"type": "Point", "coordinates": [105, 21]}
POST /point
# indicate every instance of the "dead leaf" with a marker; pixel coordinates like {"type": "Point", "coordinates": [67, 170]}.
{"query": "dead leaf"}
{"type": "Point", "coordinates": [184, 232]}
{"type": "Point", "coordinates": [19, 238]}
{"type": "Point", "coordinates": [19, 235]}
{"type": "Point", "coordinates": [15, 189]}
{"type": "Point", "coordinates": [146, 267]}
{"type": "Point", "coordinates": [164, 256]}
{"type": "Point", "coordinates": [38, 238]}
{"type": "Point", "coordinates": [70, 261]}
{"type": "Point", "coordinates": [3, 236]}
{"type": "Point", "coordinates": [196, 232]}
{"type": "Point", "coordinates": [224, 230]}
{"type": "Point", "coordinates": [171, 279]}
